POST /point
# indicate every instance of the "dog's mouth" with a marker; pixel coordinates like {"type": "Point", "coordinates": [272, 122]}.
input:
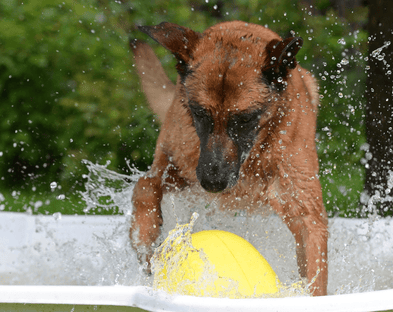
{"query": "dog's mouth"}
{"type": "Point", "coordinates": [216, 181]}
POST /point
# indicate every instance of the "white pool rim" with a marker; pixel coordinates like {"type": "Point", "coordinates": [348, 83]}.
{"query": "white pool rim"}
{"type": "Point", "coordinates": [148, 299]}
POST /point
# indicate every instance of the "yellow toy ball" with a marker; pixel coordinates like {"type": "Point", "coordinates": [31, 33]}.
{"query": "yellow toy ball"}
{"type": "Point", "coordinates": [215, 264]}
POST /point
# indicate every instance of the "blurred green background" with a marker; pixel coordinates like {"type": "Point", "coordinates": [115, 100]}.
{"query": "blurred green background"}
{"type": "Point", "coordinates": [69, 90]}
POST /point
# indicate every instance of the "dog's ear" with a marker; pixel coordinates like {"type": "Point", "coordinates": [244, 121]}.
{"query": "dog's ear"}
{"type": "Point", "coordinates": [279, 59]}
{"type": "Point", "coordinates": [181, 41]}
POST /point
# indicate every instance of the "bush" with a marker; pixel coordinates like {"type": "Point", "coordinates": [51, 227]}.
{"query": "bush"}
{"type": "Point", "coordinates": [68, 92]}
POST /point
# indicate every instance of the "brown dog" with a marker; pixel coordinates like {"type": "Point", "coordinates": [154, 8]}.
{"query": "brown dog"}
{"type": "Point", "coordinates": [241, 122]}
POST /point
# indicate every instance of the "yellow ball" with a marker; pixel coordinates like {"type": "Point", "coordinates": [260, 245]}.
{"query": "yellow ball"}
{"type": "Point", "coordinates": [228, 266]}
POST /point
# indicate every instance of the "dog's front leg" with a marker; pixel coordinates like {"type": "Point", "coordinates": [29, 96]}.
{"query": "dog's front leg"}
{"type": "Point", "coordinates": [146, 217]}
{"type": "Point", "coordinates": [311, 249]}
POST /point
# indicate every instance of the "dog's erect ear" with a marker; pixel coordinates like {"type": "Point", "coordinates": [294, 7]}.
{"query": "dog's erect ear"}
{"type": "Point", "coordinates": [280, 58]}
{"type": "Point", "coordinates": [181, 41]}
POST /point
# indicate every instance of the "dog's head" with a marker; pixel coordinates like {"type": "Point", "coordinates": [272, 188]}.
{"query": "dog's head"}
{"type": "Point", "coordinates": [231, 78]}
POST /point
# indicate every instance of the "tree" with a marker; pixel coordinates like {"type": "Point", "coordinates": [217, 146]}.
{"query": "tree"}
{"type": "Point", "coordinates": [379, 109]}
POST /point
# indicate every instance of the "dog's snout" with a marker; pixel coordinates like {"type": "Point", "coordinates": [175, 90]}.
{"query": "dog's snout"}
{"type": "Point", "coordinates": [213, 178]}
{"type": "Point", "coordinates": [218, 166]}
{"type": "Point", "coordinates": [215, 174]}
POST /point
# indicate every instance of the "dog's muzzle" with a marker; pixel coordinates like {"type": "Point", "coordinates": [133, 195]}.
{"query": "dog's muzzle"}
{"type": "Point", "coordinates": [215, 174]}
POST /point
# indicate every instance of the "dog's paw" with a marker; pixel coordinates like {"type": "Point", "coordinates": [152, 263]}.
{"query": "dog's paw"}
{"type": "Point", "coordinates": [144, 261]}
{"type": "Point", "coordinates": [143, 252]}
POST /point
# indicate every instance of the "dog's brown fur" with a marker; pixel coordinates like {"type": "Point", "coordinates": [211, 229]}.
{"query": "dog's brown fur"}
{"type": "Point", "coordinates": [231, 69]}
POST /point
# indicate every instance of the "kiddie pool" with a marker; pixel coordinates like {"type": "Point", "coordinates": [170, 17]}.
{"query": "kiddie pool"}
{"type": "Point", "coordinates": [65, 263]}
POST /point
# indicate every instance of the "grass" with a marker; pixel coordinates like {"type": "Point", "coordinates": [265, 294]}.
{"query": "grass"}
{"type": "Point", "coordinates": [13, 307]}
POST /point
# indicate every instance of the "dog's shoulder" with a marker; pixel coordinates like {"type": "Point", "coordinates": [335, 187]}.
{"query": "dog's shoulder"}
{"type": "Point", "coordinates": [305, 80]}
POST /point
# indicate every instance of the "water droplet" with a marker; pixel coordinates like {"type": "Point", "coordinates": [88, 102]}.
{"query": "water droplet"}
{"type": "Point", "coordinates": [344, 61]}
{"type": "Point", "coordinates": [57, 215]}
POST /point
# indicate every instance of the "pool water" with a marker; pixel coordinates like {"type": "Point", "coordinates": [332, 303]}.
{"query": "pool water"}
{"type": "Point", "coordinates": [95, 250]}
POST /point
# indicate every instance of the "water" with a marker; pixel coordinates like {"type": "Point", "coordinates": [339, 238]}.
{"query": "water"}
{"type": "Point", "coordinates": [63, 250]}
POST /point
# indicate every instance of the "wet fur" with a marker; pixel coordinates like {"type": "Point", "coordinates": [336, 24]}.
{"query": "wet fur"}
{"type": "Point", "coordinates": [233, 76]}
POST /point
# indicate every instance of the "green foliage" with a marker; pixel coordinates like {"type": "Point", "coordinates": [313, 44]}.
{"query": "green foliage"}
{"type": "Point", "coordinates": [68, 92]}
{"type": "Point", "coordinates": [68, 89]}
{"type": "Point", "coordinates": [46, 203]}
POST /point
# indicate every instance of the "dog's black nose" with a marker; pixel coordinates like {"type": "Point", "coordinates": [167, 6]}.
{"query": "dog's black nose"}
{"type": "Point", "coordinates": [212, 174]}
{"type": "Point", "coordinates": [215, 171]}
{"type": "Point", "coordinates": [214, 185]}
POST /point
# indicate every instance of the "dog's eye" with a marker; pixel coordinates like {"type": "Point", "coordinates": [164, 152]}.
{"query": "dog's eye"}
{"type": "Point", "coordinates": [248, 119]}
{"type": "Point", "coordinates": [243, 124]}
{"type": "Point", "coordinates": [198, 112]}
{"type": "Point", "coordinates": [202, 120]}
{"type": "Point", "coordinates": [245, 119]}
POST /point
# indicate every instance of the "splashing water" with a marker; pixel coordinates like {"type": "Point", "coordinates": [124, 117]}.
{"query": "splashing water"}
{"type": "Point", "coordinates": [176, 254]}
{"type": "Point", "coordinates": [377, 52]}
{"type": "Point", "coordinates": [379, 197]}
{"type": "Point", "coordinates": [81, 250]}
{"type": "Point", "coordinates": [96, 250]}
{"type": "Point", "coordinates": [106, 189]}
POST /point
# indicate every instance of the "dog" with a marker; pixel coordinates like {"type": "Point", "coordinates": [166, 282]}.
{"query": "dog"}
{"type": "Point", "coordinates": [240, 122]}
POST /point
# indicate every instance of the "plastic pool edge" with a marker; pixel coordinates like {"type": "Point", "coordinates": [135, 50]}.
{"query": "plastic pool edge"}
{"type": "Point", "coordinates": [148, 299]}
